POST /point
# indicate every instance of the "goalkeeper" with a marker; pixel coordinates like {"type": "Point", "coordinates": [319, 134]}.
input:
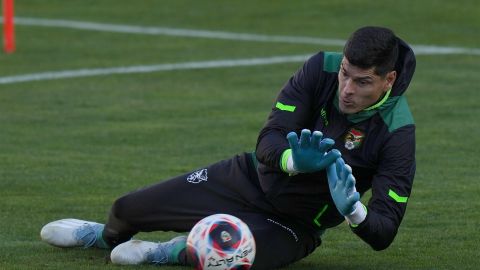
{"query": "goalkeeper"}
{"type": "Point", "coordinates": [338, 109]}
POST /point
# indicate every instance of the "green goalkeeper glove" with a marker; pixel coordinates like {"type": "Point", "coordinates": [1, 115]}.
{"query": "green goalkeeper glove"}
{"type": "Point", "coordinates": [309, 153]}
{"type": "Point", "coordinates": [342, 187]}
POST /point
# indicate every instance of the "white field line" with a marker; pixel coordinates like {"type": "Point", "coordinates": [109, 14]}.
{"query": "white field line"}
{"type": "Point", "coordinates": [51, 75]}
{"type": "Point", "coordinates": [167, 31]}
{"type": "Point", "coordinates": [150, 68]}
{"type": "Point", "coordinates": [119, 28]}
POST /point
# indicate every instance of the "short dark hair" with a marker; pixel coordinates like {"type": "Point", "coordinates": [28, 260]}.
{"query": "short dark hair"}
{"type": "Point", "coordinates": [372, 46]}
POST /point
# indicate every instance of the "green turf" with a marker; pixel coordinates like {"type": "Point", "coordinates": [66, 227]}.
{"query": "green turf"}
{"type": "Point", "coordinates": [69, 147]}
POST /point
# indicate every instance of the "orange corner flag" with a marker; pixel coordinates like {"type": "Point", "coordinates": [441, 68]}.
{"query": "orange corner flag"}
{"type": "Point", "coordinates": [8, 28]}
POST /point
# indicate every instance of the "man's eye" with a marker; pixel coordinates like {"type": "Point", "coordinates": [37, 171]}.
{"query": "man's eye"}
{"type": "Point", "coordinates": [363, 83]}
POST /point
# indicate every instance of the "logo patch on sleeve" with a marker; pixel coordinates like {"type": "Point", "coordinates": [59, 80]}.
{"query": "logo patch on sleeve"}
{"type": "Point", "coordinates": [198, 176]}
{"type": "Point", "coordinates": [354, 139]}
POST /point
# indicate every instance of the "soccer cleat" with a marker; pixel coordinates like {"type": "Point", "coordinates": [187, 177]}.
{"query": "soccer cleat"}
{"type": "Point", "coordinates": [144, 252]}
{"type": "Point", "coordinates": [73, 233]}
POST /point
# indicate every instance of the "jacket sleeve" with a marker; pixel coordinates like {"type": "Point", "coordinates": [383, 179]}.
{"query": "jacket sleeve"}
{"type": "Point", "coordinates": [391, 188]}
{"type": "Point", "coordinates": [291, 112]}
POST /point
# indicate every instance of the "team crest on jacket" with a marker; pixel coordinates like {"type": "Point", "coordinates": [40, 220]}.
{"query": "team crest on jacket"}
{"type": "Point", "coordinates": [354, 139]}
{"type": "Point", "coordinates": [198, 176]}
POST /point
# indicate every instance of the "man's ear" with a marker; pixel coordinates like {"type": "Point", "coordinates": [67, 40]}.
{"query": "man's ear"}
{"type": "Point", "coordinates": [391, 76]}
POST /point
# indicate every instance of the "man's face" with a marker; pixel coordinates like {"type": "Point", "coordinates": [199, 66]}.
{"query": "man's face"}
{"type": "Point", "coordinates": [360, 88]}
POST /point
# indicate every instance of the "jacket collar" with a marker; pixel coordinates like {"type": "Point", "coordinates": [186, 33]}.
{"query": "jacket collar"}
{"type": "Point", "coordinates": [383, 104]}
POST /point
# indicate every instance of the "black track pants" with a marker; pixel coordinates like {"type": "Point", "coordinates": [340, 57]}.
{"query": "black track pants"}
{"type": "Point", "coordinates": [229, 187]}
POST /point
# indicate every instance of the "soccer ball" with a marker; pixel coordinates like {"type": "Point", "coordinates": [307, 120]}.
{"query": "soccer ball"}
{"type": "Point", "coordinates": [221, 242]}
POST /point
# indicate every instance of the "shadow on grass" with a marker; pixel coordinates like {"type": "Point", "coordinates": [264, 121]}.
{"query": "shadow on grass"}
{"type": "Point", "coordinates": [304, 265]}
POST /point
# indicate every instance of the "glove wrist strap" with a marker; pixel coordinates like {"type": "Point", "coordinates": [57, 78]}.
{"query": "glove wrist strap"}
{"type": "Point", "coordinates": [286, 162]}
{"type": "Point", "coordinates": [358, 215]}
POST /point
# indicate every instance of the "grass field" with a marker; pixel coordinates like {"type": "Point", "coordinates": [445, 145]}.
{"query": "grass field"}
{"type": "Point", "coordinates": [69, 147]}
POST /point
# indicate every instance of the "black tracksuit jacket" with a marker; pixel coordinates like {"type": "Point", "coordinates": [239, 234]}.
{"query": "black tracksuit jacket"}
{"type": "Point", "coordinates": [378, 144]}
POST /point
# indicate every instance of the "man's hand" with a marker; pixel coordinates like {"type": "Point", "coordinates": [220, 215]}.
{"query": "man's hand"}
{"type": "Point", "coordinates": [342, 187]}
{"type": "Point", "coordinates": [309, 154]}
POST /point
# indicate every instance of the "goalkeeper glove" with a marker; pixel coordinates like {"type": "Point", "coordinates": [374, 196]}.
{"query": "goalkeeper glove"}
{"type": "Point", "coordinates": [309, 153]}
{"type": "Point", "coordinates": [342, 187]}
{"type": "Point", "coordinates": [344, 194]}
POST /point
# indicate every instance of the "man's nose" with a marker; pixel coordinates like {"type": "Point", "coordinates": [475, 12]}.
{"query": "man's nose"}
{"type": "Point", "coordinates": [349, 87]}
